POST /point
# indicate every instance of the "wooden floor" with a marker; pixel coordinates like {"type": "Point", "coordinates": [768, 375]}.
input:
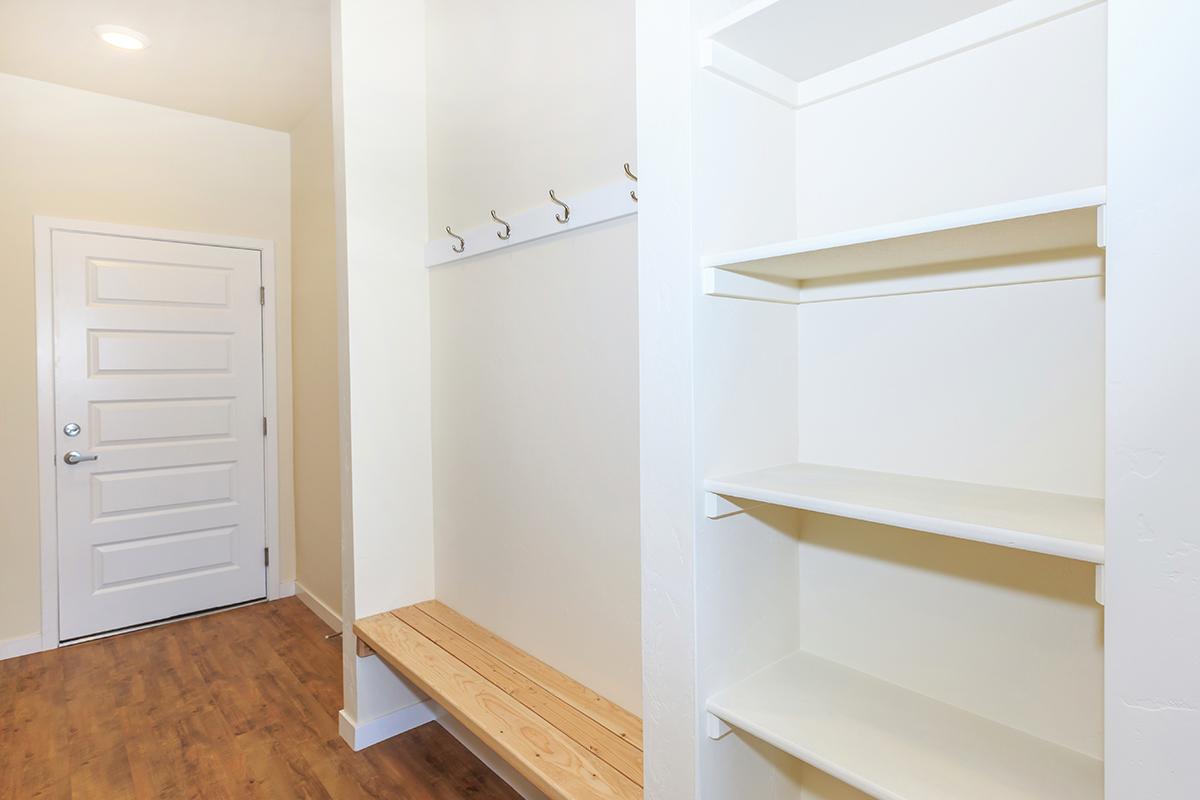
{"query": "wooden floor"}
{"type": "Point", "coordinates": [241, 704]}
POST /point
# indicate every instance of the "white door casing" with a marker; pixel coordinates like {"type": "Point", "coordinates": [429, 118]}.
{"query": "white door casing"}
{"type": "Point", "coordinates": [158, 357]}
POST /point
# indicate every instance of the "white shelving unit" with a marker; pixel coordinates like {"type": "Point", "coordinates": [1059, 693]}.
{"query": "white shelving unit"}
{"type": "Point", "coordinates": [895, 744]}
{"type": "Point", "coordinates": [962, 249]}
{"type": "Point", "coordinates": [1040, 522]}
{"type": "Point", "coordinates": [978, 357]}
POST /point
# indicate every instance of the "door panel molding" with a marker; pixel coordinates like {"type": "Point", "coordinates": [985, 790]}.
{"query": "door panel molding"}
{"type": "Point", "coordinates": [43, 230]}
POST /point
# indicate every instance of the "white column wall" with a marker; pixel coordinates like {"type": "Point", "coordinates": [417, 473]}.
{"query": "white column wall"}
{"type": "Point", "coordinates": [1152, 634]}
{"type": "Point", "coordinates": [667, 284]}
{"type": "Point", "coordinates": [380, 183]}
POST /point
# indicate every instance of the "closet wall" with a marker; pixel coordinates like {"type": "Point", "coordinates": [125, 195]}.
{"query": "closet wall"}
{"type": "Point", "coordinates": [534, 347]}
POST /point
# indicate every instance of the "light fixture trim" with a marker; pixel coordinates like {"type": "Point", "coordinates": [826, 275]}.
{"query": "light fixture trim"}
{"type": "Point", "coordinates": [123, 38]}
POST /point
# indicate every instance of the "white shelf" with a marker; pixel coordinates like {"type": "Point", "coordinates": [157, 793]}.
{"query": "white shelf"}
{"type": "Point", "coordinates": [895, 744]}
{"type": "Point", "coordinates": [799, 52]}
{"type": "Point", "coordinates": [1064, 221]}
{"type": "Point", "coordinates": [969, 248]}
{"type": "Point", "coordinates": [1041, 522]}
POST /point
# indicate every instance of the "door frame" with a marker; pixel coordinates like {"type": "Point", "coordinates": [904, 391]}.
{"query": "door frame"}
{"type": "Point", "coordinates": [43, 230]}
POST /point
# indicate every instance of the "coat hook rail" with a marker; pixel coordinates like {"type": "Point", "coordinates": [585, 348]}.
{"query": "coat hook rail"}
{"type": "Point", "coordinates": [632, 177]}
{"type": "Point", "coordinates": [606, 202]}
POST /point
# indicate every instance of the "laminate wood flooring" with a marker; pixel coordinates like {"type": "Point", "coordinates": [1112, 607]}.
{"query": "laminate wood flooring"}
{"type": "Point", "coordinates": [240, 704]}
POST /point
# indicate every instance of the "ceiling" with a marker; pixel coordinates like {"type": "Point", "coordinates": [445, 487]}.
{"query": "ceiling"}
{"type": "Point", "coordinates": [261, 62]}
{"type": "Point", "coordinates": [830, 34]}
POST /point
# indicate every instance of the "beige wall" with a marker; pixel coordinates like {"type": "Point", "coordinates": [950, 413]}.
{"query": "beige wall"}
{"type": "Point", "coordinates": [535, 347]}
{"type": "Point", "coordinates": [69, 153]}
{"type": "Point", "coordinates": [314, 342]}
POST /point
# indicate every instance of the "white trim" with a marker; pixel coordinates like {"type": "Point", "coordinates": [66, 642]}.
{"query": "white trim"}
{"type": "Point", "coordinates": [43, 228]}
{"type": "Point", "coordinates": [20, 646]}
{"type": "Point", "coordinates": [966, 34]}
{"type": "Point", "coordinates": [286, 589]}
{"type": "Point", "coordinates": [159, 623]}
{"type": "Point", "coordinates": [361, 735]}
{"type": "Point", "coordinates": [748, 73]}
{"type": "Point", "coordinates": [270, 378]}
{"type": "Point", "coordinates": [734, 17]}
{"type": "Point", "coordinates": [318, 607]}
{"type": "Point", "coordinates": [611, 201]}
{"type": "Point", "coordinates": [491, 759]}
{"type": "Point", "coordinates": [47, 471]}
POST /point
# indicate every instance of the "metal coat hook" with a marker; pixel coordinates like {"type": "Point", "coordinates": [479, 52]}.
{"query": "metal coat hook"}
{"type": "Point", "coordinates": [633, 178]}
{"type": "Point", "coordinates": [566, 215]}
{"type": "Point", "coordinates": [507, 227]}
{"type": "Point", "coordinates": [462, 245]}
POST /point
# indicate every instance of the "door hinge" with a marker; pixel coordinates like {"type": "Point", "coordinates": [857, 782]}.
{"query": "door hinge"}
{"type": "Point", "coordinates": [264, 426]}
{"type": "Point", "coordinates": [262, 295]}
{"type": "Point", "coordinates": [266, 556]}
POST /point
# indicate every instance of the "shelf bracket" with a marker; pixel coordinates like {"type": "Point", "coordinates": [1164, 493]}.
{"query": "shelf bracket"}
{"type": "Point", "coordinates": [718, 507]}
{"type": "Point", "coordinates": [362, 649]}
{"type": "Point", "coordinates": [1100, 584]}
{"type": "Point", "coordinates": [714, 726]}
{"type": "Point", "coordinates": [1102, 225]}
{"type": "Point", "coordinates": [719, 282]}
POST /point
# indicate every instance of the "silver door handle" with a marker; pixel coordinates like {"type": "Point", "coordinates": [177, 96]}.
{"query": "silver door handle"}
{"type": "Point", "coordinates": [74, 457]}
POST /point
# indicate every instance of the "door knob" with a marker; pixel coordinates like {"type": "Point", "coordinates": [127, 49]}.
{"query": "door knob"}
{"type": "Point", "coordinates": [74, 457]}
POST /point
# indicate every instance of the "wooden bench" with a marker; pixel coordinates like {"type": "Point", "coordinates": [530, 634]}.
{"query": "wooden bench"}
{"type": "Point", "coordinates": [564, 738]}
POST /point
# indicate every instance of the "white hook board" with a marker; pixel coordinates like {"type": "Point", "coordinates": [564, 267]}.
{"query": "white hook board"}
{"type": "Point", "coordinates": [611, 201]}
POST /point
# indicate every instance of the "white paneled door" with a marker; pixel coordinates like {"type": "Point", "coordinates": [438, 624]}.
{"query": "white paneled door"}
{"type": "Point", "coordinates": [159, 424]}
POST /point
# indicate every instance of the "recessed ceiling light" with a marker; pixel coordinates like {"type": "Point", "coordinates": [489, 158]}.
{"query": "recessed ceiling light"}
{"type": "Point", "coordinates": [124, 38]}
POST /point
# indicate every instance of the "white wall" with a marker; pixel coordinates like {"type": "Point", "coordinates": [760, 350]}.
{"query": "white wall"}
{"type": "Point", "coordinates": [534, 348]}
{"type": "Point", "coordinates": [383, 315]}
{"type": "Point", "coordinates": [962, 132]}
{"type": "Point", "coordinates": [1153, 567]}
{"type": "Point", "coordinates": [1014, 398]}
{"type": "Point", "coordinates": [535, 451]}
{"type": "Point", "coordinates": [70, 153]}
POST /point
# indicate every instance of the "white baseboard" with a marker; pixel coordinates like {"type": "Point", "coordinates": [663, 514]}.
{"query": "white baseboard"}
{"type": "Point", "coordinates": [361, 735]}
{"type": "Point", "coordinates": [286, 589]}
{"type": "Point", "coordinates": [487, 755]}
{"type": "Point", "coordinates": [20, 646]}
{"type": "Point", "coordinates": [319, 607]}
